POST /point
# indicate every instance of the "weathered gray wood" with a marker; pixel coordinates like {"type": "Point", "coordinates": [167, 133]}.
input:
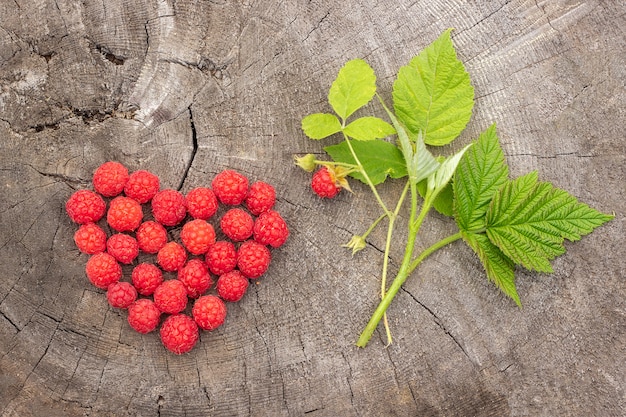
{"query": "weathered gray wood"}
{"type": "Point", "coordinates": [186, 88]}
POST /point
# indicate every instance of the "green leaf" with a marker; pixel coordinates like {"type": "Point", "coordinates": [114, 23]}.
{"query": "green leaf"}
{"type": "Point", "coordinates": [369, 128]}
{"type": "Point", "coordinates": [481, 172]}
{"type": "Point", "coordinates": [433, 93]}
{"type": "Point", "coordinates": [320, 125]}
{"type": "Point", "coordinates": [528, 220]}
{"type": "Point", "coordinates": [442, 176]}
{"type": "Point", "coordinates": [443, 202]}
{"type": "Point", "coordinates": [353, 88]}
{"type": "Point", "coordinates": [378, 158]}
{"type": "Point", "coordinates": [499, 268]}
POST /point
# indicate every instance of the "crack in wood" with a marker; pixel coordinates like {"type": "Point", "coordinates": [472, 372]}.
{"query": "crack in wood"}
{"type": "Point", "coordinates": [194, 151]}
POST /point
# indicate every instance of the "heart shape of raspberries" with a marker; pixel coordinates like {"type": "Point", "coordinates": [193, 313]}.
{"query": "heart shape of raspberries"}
{"type": "Point", "coordinates": [175, 278]}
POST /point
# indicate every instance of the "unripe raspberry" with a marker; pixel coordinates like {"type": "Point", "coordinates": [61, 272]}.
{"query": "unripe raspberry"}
{"type": "Point", "coordinates": [230, 187]}
{"type": "Point", "coordinates": [151, 236]}
{"type": "Point", "coordinates": [270, 229]}
{"type": "Point", "coordinates": [197, 236]}
{"type": "Point", "coordinates": [121, 294]}
{"type": "Point", "coordinates": [90, 239]}
{"type": "Point", "coordinates": [85, 206]}
{"type": "Point", "coordinates": [237, 224]}
{"type": "Point", "coordinates": [195, 277]}
{"type": "Point", "coordinates": [209, 312]}
{"type": "Point", "coordinates": [168, 207]}
{"type": "Point", "coordinates": [103, 270]}
{"type": "Point", "coordinates": [221, 257]}
{"type": "Point", "coordinates": [146, 278]}
{"type": "Point", "coordinates": [124, 214]}
{"type": "Point", "coordinates": [110, 178]}
{"type": "Point", "coordinates": [143, 316]}
{"type": "Point", "coordinates": [324, 183]}
{"type": "Point", "coordinates": [232, 286]}
{"type": "Point", "coordinates": [253, 259]}
{"type": "Point", "coordinates": [172, 257]}
{"type": "Point", "coordinates": [142, 185]}
{"type": "Point", "coordinates": [170, 297]}
{"type": "Point", "coordinates": [201, 203]}
{"type": "Point", "coordinates": [123, 248]}
{"type": "Point", "coordinates": [261, 197]}
{"type": "Point", "coordinates": [179, 333]}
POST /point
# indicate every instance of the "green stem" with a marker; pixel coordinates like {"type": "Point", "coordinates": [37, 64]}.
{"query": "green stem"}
{"type": "Point", "coordinates": [373, 225]}
{"type": "Point", "coordinates": [433, 248]}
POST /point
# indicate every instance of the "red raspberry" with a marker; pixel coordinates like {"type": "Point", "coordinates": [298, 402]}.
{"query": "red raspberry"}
{"type": "Point", "coordinates": [110, 178]}
{"type": "Point", "coordinates": [85, 206]}
{"type": "Point", "coordinates": [253, 259]}
{"type": "Point", "coordinates": [195, 277]}
{"type": "Point", "coordinates": [201, 203]}
{"type": "Point", "coordinates": [179, 333]}
{"type": "Point", "coordinates": [142, 186]}
{"type": "Point", "coordinates": [121, 294]}
{"type": "Point", "coordinates": [168, 207]}
{"type": "Point", "coordinates": [124, 214]}
{"type": "Point", "coordinates": [170, 297]}
{"type": "Point", "coordinates": [172, 257]}
{"type": "Point", "coordinates": [221, 257]}
{"type": "Point", "coordinates": [324, 183]}
{"type": "Point", "coordinates": [270, 229]}
{"type": "Point", "coordinates": [237, 224]}
{"type": "Point", "coordinates": [143, 316]}
{"type": "Point", "coordinates": [230, 187]}
{"type": "Point", "coordinates": [261, 197]}
{"type": "Point", "coordinates": [146, 278]}
{"type": "Point", "coordinates": [151, 236]}
{"type": "Point", "coordinates": [232, 285]}
{"type": "Point", "coordinates": [123, 248]}
{"type": "Point", "coordinates": [103, 270]}
{"type": "Point", "coordinates": [209, 312]}
{"type": "Point", "coordinates": [197, 235]}
{"type": "Point", "coordinates": [90, 239]}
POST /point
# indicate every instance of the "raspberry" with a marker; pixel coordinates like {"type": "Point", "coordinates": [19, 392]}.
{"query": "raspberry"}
{"type": "Point", "coordinates": [85, 206]}
{"type": "Point", "coordinates": [110, 178]}
{"type": "Point", "coordinates": [270, 229]}
{"type": "Point", "coordinates": [143, 316]}
{"type": "Point", "coordinates": [201, 203]}
{"type": "Point", "coordinates": [172, 257]}
{"type": "Point", "coordinates": [253, 259]}
{"type": "Point", "coordinates": [103, 270]}
{"type": "Point", "coordinates": [230, 187]}
{"type": "Point", "coordinates": [179, 333]}
{"type": "Point", "coordinates": [170, 297]}
{"type": "Point", "coordinates": [232, 285]}
{"type": "Point", "coordinates": [168, 207]}
{"type": "Point", "coordinates": [237, 224]}
{"type": "Point", "coordinates": [123, 248]}
{"type": "Point", "coordinates": [197, 235]}
{"type": "Point", "coordinates": [146, 278]}
{"type": "Point", "coordinates": [151, 236]}
{"type": "Point", "coordinates": [209, 312]}
{"type": "Point", "coordinates": [142, 186]}
{"type": "Point", "coordinates": [221, 257]}
{"type": "Point", "coordinates": [124, 214]}
{"type": "Point", "coordinates": [261, 197]}
{"type": "Point", "coordinates": [195, 277]}
{"type": "Point", "coordinates": [324, 183]}
{"type": "Point", "coordinates": [90, 239]}
{"type": "Point", "coordinates": [121, 295]}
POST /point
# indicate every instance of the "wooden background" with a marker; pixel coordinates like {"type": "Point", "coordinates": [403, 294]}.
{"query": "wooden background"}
{"type": "Point", "coordinates": [186, 88]}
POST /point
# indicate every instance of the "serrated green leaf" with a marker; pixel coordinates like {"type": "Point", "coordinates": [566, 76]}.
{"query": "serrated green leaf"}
{"type": "Point", "coordinates": [320, 125]}
{"type": "Point", "coordinates": [378, 158]}
{"type": "Point", "coordinates": [443, 202]}
{"type": "Point", "coordinates": [481, 172]}
{"type": "Point", "coordinates": [353, 88]}
{"type": "Point", "coordinates": [442, 176]}
{"type": "Point", "coordinates": [369, 128]}
{"type": "Point", "coordinates": [433, 93]}
{"type": "Point", "coordinates": [528, 220]}
{"type": "Point", "coordinates": [499, 268]}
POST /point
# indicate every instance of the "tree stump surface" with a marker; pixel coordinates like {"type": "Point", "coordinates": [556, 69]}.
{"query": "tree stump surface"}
{"type": "Point", "coordinates": [187, 88]}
